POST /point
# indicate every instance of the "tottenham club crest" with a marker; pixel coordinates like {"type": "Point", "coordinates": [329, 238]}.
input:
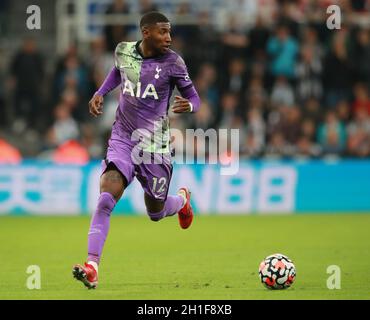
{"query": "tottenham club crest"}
{"type": "Point", "coordinates": [158, 70]}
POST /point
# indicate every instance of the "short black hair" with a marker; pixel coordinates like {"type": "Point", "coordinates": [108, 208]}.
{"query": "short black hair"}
{"type": "Point", "coordinates": [151, 18]}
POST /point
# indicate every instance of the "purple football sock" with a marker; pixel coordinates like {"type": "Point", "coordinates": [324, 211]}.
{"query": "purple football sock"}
{"type": "Point", "coordinates": [99, 226]}
{"type": "Point", "coordinates": [172, 205]}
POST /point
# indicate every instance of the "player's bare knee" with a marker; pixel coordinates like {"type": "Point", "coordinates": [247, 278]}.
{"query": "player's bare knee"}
{"type": "Point", "coordinates": [112, 181]}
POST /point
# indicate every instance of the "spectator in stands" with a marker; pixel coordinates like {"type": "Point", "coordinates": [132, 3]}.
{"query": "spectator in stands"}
{"type": "Point", "coordinates": [268, 9]}
{"type": "Point", "coordinates": [308, 72]}
{"type": "Point", "coordinates": [283, 50]}
{"type": "Point", "coordinates": [256, 95]}
{"type": "Point", "coordinates": [361, 99]}
{"type": "Point", "coordinates": [64, 127]}
{"type": "Point", "coordinates": [205, 44]}
{"type": "Point", "coordinates": [312, 109]}
{"type": "Point", "coordinates": [60, 67]}
{"type": "Point", "coordinates": [241, 12]}
{"type": "Point", "coordinates": [90, 141]}
{"type": "Point", "coordinates": [203, 119]}
{"type": "Point", "coordinates": [73, 75]}
{"type": "Point", "coordinates": [115, 33]}
{"type": "Point", "coordinates": [282, 93]}
{"type": "Point", "coordinates": [207, 84]}
{"type": "Point", "coordinates": [308, 129]}
{"type": "Point", "coordinates": [8, 153]}
{"type": "Point", "coordinates": [277, 147]}
{"type": "Point", "coordinates": [184, 32]}
{"type": "Point", "coordinates": [274, 119]}
{"type": "Point", "coordinates": [337, 73]}
{"type": "Point", "coordinates": [259, 69]}
{"type": "Point", "coordinates": [229, 109]}
{"type": "Point", "coordinates": [147, 6]}
{"type": "Point", "coordinates": [234, 40]}
{"type": "Point", "coordinates": [27, 74]}
{"type": "Point", "coordinates": [70, 152]}
{"type": "Point", "coordinates": [306, 148]}
{"type": "Point", "coordinates": [283, 129]}
{"type": "Point", "coordinates": [237, 123]}
{"type": "Point", "coordinates": [255, 131]}
{"type": "Point", "coordinates": [309, 38]}
{"type": "Point", "coordinates": [100, 61]}
{"type": "Point", "coordinates": [258, 37]}
{"type": "Point", "coordinates": [71, 98]}
{"type": "Point", "coordinates": [360, 55]}
{"type": "Point", "coordinates": [343, 111]}
{"type": "Point", "coordinates": [359, 134]}
{"type": "Point", "coordinates": [332, 135]}
{"type": "Point", "coordinates": [290, 15]}
{"type": "Point", "coordinates": [235, 79]}
{"type": "Point", "coordinates": [291, 125]}
{"type": "Point", "coordinates": [360, 5]}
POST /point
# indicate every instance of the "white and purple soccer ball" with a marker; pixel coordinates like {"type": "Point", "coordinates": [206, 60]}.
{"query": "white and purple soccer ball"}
{"type": "Point", "coordinates": [277, 271]}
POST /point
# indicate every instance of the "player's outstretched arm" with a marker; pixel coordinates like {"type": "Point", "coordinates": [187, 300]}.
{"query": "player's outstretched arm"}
{"type": "Point", "coordinates": [111, 82]}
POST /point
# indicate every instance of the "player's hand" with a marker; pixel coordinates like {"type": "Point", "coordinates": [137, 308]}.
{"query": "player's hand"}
{"type": "Point", "coordinates": [96, 105]}
{"type": "Point", "coordinates": [181, 105]}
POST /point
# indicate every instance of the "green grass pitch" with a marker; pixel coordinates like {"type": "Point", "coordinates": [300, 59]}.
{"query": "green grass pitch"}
{"type": "Point", "coordinates": [217, 258]}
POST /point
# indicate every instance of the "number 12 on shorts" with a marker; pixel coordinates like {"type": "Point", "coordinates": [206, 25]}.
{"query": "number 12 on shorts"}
{"type": "Point", "coordinates": [159, 185]}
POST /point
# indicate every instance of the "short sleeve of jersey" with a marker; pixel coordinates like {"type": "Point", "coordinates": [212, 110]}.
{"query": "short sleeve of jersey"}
{"type": "Point", "coordinates": [180, 74]}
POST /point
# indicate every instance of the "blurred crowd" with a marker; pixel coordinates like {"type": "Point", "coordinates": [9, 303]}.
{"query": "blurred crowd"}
{"type": "Point", "coordinates": [270, 68]}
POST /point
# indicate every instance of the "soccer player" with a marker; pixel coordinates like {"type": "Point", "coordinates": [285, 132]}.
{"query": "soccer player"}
{"type": "Point", "coordinates": [148, 70]}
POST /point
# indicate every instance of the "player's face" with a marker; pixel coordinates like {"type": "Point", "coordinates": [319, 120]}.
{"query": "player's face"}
{"type": "Point", "coordinates": [159, 37]}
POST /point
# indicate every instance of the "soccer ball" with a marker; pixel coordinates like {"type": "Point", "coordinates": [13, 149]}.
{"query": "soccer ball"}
{"type": "Point", "coordinates": [277, 272]}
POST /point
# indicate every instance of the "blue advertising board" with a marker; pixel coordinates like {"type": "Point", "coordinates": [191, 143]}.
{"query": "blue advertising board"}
{"type": "Point", "coordinates": [259, 187]}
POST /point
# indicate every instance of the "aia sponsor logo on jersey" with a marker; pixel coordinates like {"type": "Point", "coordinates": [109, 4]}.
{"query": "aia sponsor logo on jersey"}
{"type": "Point", "coordinates": [138, 91]}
